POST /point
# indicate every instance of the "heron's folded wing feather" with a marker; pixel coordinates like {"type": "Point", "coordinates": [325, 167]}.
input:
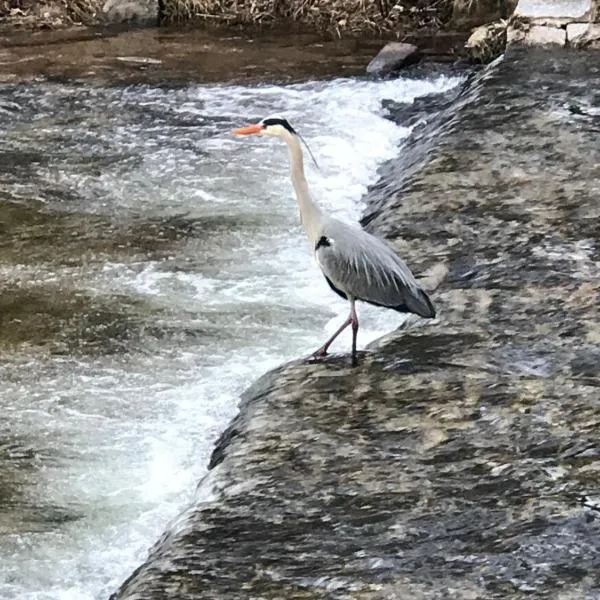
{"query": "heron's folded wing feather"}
{"type": "Point", "coordinates": [366, 268]}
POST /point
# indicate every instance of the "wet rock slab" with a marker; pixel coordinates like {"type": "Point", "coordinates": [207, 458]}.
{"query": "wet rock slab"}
{"type": "Point", "coordinates": [459, 459]}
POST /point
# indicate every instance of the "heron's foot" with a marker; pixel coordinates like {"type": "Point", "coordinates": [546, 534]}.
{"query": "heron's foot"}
{"type": "Point", "coordinates": [322, 351]}
{"type": "Point", "coordinates": [354, 360]}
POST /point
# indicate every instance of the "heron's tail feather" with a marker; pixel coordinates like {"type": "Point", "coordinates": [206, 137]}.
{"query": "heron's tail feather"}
{"type": "Point", "coordinates": [419, 303]}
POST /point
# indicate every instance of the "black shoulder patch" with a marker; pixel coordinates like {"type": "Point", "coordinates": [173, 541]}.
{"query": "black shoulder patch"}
{"type": "Point", "coordinates": [338, 292]}
{"type": "Point", "coordinates": [276, 121]}
{"type": "Point", "coordinates": [323, 242]}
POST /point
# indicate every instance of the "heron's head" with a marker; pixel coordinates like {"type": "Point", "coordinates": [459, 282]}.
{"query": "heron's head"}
{"type": "Point", "coordinates": [277, 127]}
{"type": "Point", "coordinates": [271, 126]}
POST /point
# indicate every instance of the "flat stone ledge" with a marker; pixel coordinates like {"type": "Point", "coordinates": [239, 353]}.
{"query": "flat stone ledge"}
{"type": "Point", "coordinates": [583, 34]}
{"type": "Point", "coordinates": [537, 35]}
{"type": "Point", "coordinates": [576, 30]}
{"type": "Point", "coordinates": [580, 10]}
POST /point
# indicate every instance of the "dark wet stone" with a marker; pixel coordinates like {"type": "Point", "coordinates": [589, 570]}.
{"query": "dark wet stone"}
{"type": "Point", "coordinates": [459, 459]}
{"type": "Point", "coordinates": [586, 361]}
{"type": "Point", "coordinates": [421, 110]}
{"type": "Point", "coordinates": [393, 56]}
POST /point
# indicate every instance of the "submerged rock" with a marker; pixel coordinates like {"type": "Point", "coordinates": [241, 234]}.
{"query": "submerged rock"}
{"type": "Point", "coordinates": [393, 56]}
{"type": "Point", "coordinates": [459, 459]}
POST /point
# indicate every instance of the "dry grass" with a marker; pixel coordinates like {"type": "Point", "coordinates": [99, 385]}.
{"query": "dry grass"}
{"type": "Point", "coordinates": [82, 11]}
{"type": "Point", "coordinates": [339, 17]}
{"type": "Point", "coordinates": [49, 12]}
{"type": "Point", "coordinates": [480, 11]}
{"type": "Point", "coordinates": [487, 42]}
{"type": "Point", "coordinates": [347, 16]}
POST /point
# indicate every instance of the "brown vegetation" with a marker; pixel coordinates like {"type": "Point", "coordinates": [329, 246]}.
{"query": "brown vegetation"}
{"type": "Point", "coordinates": [48, 13]}
{"type": "Point", "coordinates": [476, 12]}
{"type": "Point", "coordinates": [340, 17]}
{"type": "Point", "coordinates": [348, 16]}
{"type": "Point", "coordinates": [487, 42]}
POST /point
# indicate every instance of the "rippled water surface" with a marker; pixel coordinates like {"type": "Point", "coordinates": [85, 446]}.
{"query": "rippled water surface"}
{"type": "Point", "coordinates": [151, 266]}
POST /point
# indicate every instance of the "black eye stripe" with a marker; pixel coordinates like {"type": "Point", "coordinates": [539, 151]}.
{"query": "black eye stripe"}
{"type": "Point", "coordinates": [282, 122]}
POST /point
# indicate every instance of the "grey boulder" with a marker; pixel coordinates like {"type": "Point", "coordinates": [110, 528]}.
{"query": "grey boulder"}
{"type": "Point", "coordinates": [393, 56]}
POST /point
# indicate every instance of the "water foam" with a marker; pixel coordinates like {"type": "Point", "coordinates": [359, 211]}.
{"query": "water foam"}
{"type": "Point", "coordinates": [135, 431]}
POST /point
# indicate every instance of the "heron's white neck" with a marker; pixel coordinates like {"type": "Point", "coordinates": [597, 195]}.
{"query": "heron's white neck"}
{"type": "Point", "coordinates": [310, 214]}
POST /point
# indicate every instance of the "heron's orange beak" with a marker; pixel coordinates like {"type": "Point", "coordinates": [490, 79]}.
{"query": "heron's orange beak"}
{"type": "Point", "coordinates": [249, 129]}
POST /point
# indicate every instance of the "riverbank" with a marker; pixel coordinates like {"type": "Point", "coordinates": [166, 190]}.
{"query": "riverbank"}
{"type": "Point", "coordinates": [456, 456]}
{"type": "Point", "coordinates": [332, 17]}
{"type": "Point", "coordinates": [335, 17]}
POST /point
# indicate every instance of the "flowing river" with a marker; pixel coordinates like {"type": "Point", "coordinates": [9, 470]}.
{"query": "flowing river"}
{"type": "Point", "coordinates": [151, 267]}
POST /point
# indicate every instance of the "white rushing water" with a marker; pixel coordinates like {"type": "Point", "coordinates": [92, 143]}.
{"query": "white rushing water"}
{"type": "Point", "coordinates": [120, 439]}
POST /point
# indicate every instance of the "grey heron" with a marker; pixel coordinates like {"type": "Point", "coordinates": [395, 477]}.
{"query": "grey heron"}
{"type": "Point", "coordinates": [356, 264]}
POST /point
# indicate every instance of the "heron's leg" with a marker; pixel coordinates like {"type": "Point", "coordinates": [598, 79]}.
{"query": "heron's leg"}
{"type": "Point", "coordinates": [354, 320]}
{"type": "Point", "coordinates": [322, 351]}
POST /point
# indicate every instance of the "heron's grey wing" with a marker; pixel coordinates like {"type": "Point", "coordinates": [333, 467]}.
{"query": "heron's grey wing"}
{"type": "Point", "coordinates": [362, 266]}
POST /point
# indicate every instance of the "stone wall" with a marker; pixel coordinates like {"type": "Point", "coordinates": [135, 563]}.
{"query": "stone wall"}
{"type": "Point", "coordinates": [562, 22]}
{"type": "Point", "coordinates": [571, 23]}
